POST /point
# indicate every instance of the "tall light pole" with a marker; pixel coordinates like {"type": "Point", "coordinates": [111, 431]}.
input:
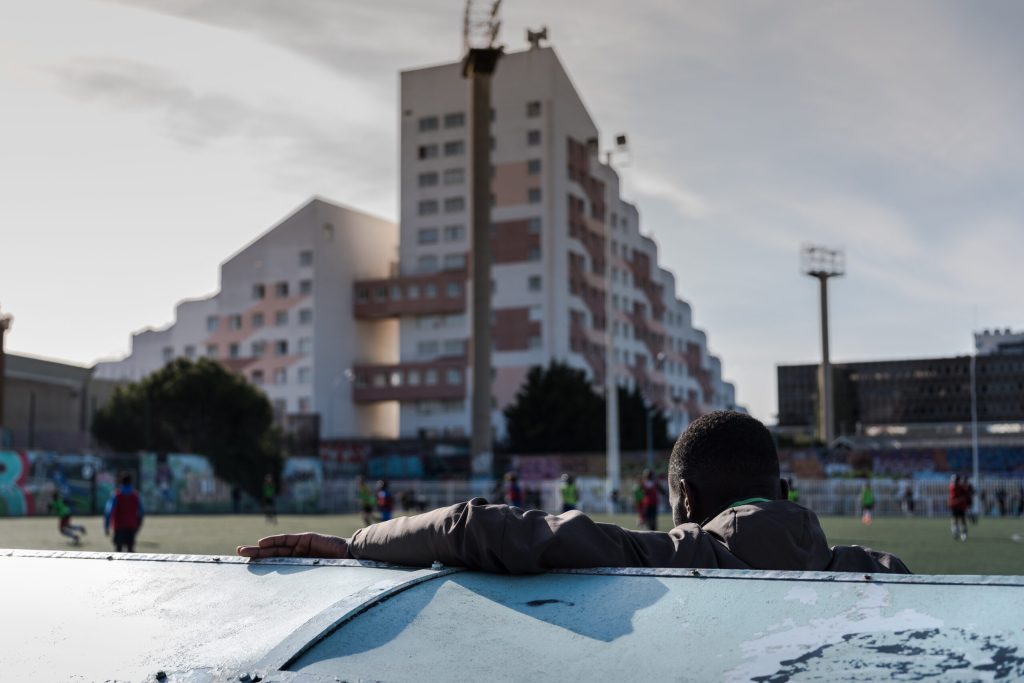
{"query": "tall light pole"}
{"type": "Point", "coordinates": [481, 54]}
{"type": "Point", "coordinates": [823, 264]}
{"type": "Point", "coordinates": [6, 320]}
{"type": "Point", "coordinates": [659, 363]}
{"type": "Point", "coordinates": [974, 427]}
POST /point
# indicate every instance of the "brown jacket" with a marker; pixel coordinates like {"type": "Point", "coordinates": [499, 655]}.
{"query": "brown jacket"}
{"type": "Point", "coordinates": [499, 538]}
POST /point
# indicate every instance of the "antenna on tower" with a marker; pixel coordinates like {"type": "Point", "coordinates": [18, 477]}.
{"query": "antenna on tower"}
{"type": "Point", "coordinates": [534, 37]}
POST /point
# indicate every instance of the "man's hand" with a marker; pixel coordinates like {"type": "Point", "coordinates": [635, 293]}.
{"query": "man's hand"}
{"type": "Point", "coordinates": [297, 545]}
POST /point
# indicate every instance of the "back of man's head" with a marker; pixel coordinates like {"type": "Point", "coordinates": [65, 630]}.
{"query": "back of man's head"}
{"type": "Point", "coordinates": [729, 452]}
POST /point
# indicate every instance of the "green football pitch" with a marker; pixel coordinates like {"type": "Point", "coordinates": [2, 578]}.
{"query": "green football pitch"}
{"type": "Point", "coordinates": [995, 546]}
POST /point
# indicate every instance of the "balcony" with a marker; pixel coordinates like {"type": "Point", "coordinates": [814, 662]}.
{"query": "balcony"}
{"type": "Point", "coordinates": [434, 293]}
{"type": "Point", "coordinates": [440, 379]}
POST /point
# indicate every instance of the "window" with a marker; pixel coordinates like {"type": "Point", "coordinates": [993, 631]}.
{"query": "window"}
{"type": "Point", "coordinates": [533, 137]}
{"type": "Point", "coordinates": [453, 376]}
{"type": "Point", "coordinates": [455, 261]}
{"type": "Point", "coordinates": [280, 375]}
{"type": "Point", "coordinates": [533, 254]}
{"type": "Point", "coordinates": [454, 204]}
{"type": "Point", "coordinates": [257, 320]}
{"type": "Point", "coordinates": [427, 123]}
{"type": "Point", "coordinates": [427, 152]}
{"type": "Point", "coordinates": [430, 377]}
{"type": "Point", "coordinates": [533, 195]}
{"type": "Point", "coordinates": [534, 226]}
{"type": "Point", "coordinates": [211, 350]}
{"type": "Point", "coordinates": [455, 347]}
{"type": "Point", "coordinates": [396, 292]}
{"type": "Point", "coordinates": [280, 406]}
{"type": "Point", "coordinates": [533, 167]}
{"type": "Point", "coordinates": [281, 347]}
{"type": "Point", "coordinates": [305, 375]}
{"type": "Point", "coordinates": [305, 316]}
{"type": "Point", "coordinates": [281, 318]}
{"type": "Point", "coordinates": [190, 351]}
{"type": "Point", "coordinates": [426, 236]}
{"type": "Point", "coordinates": [168, 353]}
{"type": "Point", "coordinates": [235, 322]}
{"type": "Point", "coordinates": [212, 323]}
{"type": "Point", "coordinates": [259, 348]}
{"type": "Point", "coordinates": [454, 148]}
{"type": "Point", "coordinates": [413, 292]}
{"type": "Point", "coordinates": [257, 377]}
{"type": "Point", "coordinates": [453, 290]}
{"type": "Point", "coordinates": [534, 283]}
{"type": "Point", "coordinates": [427, 207]}
{"type": "Point", "coordinates": [533, 109]}
{"type": "Point", "coordinates": [233, 350]}
{"type": "Point", "coordinates": [426, 349]}
{"type": "Point", "coordinates": [454, 176]}
{"type": "Point", "coordinates": [430, 291]}
{"type": "Point", "coordinates": [425, 264]}
{"type": "Point", "coordinates": [306, 257]}
{"type": "Point", "coordinates": [536, 314]}
{"type": "Point", "coordinates": [454, 120]}
{"type": "Point", "coordinates": [305, 287]}
{"type": "Point", "coordinates": [305, 404]}
{"type": "Point", "coordinates": [281, 290]}
{"type": "Point", "coordinates": [306, 346]}
{"type": "Point", "coordinates": [428, 179]}
{"type": "Point", "coordinates": [535, 342]}
{"type": "Point", "coordinates": [259, 291]}
{"type": "Point", "coordinates": [454, 233]}
{"type": "Point", "coordinates": [412, 378]}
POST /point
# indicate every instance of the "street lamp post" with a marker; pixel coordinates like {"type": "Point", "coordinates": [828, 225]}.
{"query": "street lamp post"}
{"type": "Point", "coordinates": [659, 363]}
{"type": "Point", "coordinates": [823, 264]}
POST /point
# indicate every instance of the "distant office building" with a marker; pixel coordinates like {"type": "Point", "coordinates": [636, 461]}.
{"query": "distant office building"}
{"type": "Point", "coordinates": [927, 397]}
{"type": "Point", "coordinates": [283, 319]}
{"type": "Point", "coordinates": [49, 405]}
{"type": "Point", "coordinates": [1002, 342]}
{"type": "Point", "coordinates": [555, 207]}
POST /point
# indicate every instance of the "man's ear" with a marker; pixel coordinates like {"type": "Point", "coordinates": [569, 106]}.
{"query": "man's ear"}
{"type": "Point", "coordinates": [689, 499]}
{"type": "Point", "coordinates": [783, 489]}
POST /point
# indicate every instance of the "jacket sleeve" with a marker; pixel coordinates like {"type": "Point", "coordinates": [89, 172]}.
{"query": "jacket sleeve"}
{"type": "Point", "coordinates": [504, 539]}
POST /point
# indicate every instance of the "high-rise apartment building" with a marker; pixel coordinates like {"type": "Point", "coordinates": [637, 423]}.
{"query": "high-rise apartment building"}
{"type": "Point", "coordinates": [283, 319]}
{"type": "Point", "coordinates": [571, 268]}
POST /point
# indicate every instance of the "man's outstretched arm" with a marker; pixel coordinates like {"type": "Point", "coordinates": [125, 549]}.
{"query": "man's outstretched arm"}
{"type": "Point", "coordinates": [499, 538]}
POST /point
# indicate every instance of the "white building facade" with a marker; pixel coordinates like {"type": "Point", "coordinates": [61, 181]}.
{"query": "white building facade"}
{"type": "Point", "coordinates": [283, 319]}
{"type": "Point", "coordinates": [571, 269]}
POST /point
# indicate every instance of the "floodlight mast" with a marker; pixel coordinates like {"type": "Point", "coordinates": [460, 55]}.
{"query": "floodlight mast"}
{"type": "Point", "coordinates": [823, 264]}
{"type": "Point", "coordinates": [6, 320]}
{"type": "Point", "coordinates": [480, 58]}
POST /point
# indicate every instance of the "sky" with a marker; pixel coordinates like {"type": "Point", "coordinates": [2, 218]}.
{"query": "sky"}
{"type": "Point", "coordinates": [144, 142]}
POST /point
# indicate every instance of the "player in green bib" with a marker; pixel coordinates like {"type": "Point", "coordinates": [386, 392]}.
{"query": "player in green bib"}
{"type": "Point", "coordinates": [570, 494]}
{"type": "Point", "coordinates": [63, 512]}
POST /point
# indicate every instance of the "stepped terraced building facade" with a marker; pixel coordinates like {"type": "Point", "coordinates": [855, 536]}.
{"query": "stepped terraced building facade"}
{"type": "Point", "coordinates": [320, 314]}
{"type": "Point", "coordinates": [563, 242]}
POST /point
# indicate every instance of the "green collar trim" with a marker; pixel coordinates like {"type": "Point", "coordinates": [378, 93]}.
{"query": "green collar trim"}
{"type": "Point", "coordinates": [747, 501]}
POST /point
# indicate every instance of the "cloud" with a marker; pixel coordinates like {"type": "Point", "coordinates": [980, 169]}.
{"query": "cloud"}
{"type": "Point", "coordinates": [684, 201]}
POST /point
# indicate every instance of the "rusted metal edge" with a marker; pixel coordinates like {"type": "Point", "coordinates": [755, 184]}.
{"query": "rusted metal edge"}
{"type": "Point", "coordinates": [289, 650]}
{"type": "Point", "coordinates": [664, 572]}
{"type": "Point", "coordinates": [832, 577]}
{"type": "Point", "coordinates": [201, 559]}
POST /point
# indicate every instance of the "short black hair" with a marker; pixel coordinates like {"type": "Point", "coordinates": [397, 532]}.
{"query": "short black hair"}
{"type": "Point", "coordinates": [727, 449]}
{"type": "Point", "coordinates": [126, 479]}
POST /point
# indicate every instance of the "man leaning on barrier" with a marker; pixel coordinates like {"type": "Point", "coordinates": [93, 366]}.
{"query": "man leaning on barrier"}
{"type": "Point", "coordinates": [729, 507]}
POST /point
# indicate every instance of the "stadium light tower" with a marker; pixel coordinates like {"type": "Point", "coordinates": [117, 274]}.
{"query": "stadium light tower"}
{"type": "Point", "coordinates": [6, 320]}
{"type": "Point", "coordinates": [480, 57]}
{"type": "Point", "coordinates": [824, 264]}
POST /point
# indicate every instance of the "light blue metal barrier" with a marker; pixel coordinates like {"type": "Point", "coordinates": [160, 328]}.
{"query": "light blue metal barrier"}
{"type": "Point", "coordinates": [80, 616]}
